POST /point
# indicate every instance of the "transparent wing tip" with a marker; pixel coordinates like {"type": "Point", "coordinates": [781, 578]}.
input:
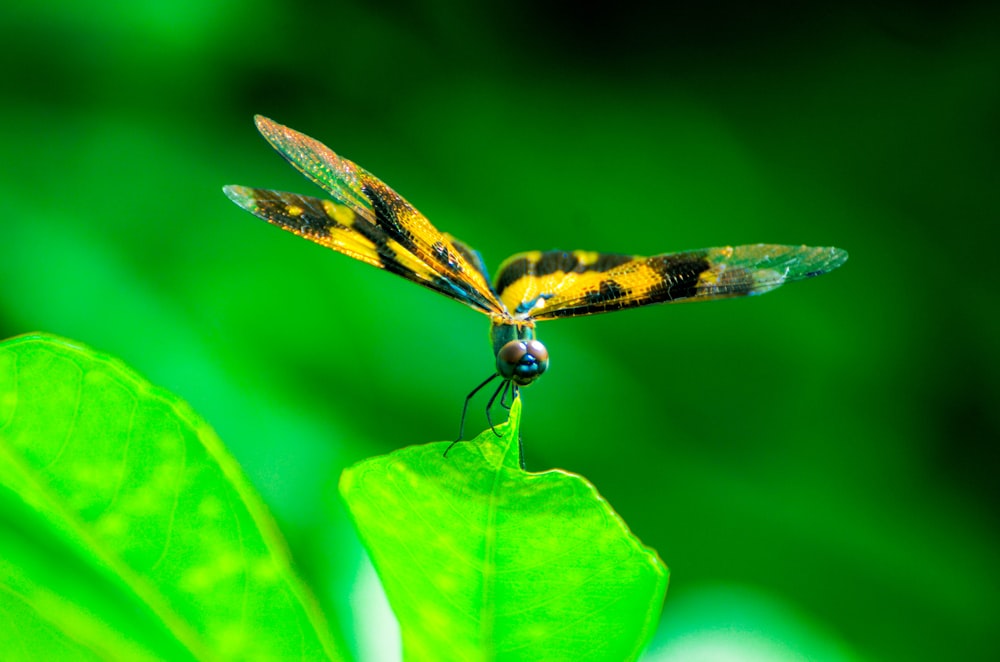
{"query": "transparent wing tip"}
{"type": "Point", "coordinates": [262, 122]}
{"type": "Point", "coordinates": [789, 264]}
{"type": "Point", "coordinates": [825, 260]}
{"type": "Point", "coordinates": [241, 195]}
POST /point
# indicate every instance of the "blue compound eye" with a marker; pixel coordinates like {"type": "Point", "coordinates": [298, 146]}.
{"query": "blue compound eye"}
{"type": "Point", "coordinates": [522, 361]}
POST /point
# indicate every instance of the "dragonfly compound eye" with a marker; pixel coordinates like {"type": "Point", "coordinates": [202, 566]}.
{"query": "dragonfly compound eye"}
{"type": "Point", "coordinates": [522, 361]}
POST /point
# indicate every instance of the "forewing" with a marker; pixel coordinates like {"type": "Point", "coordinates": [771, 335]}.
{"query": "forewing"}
{"type": "Point", "coordinates": [547, 285]}
{"type": "Point", "coordinates": [393, 219]}
{"type": "Point", "coordinates": [337, 176]}
{"type": "Point", "coordinates": [342, 229]}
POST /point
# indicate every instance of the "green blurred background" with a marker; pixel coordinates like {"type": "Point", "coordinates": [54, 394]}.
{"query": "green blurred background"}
{"type": "Point", "coordinates": [818, 467]}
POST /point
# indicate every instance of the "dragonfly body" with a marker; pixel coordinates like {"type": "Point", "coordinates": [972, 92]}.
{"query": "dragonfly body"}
{"type": "Point", "coordinates": [370, 222]}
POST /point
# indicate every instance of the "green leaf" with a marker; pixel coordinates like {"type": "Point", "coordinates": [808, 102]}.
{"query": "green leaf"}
{"type": "Point", "coordinates": [126, 529]}
{"type": "Point", "coordinates": [481, 560]}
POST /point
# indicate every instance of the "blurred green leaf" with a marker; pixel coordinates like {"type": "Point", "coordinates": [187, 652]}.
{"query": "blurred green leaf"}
{"type": "Point", "coordinates": [482, 560]}
{"type": "Point", "coordinates": [129, 483]}
{"type": "Point", "coordinates": [41, 624]}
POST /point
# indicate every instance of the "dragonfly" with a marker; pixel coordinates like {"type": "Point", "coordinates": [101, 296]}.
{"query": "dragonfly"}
{"type": "Point", "coordinates": [368, 221]}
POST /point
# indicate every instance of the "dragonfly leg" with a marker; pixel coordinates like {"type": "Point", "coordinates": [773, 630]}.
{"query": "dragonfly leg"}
{"type": "Point", "coordinates": [503, 396]}
{"type": "Point", "coordinates": [465, 410]}
{"type": "Point", "coordinates": [489, 405]}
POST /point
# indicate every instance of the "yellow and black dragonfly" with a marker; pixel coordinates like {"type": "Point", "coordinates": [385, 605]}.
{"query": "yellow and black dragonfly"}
{"type": "Point", "coordinates": [370, 222]}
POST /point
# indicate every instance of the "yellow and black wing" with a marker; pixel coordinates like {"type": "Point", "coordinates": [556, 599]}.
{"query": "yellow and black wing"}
{"type": "Point", "coordinates": [552, 284]}
{"type": "Point", "coordinates": [366, 220]}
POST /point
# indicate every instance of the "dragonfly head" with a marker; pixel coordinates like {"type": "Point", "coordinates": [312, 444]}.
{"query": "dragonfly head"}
{"type": "Point", "coordinates": [522, 361]}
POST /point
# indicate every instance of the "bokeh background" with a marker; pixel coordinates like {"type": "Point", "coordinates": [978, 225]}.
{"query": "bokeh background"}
{"type": "Point", "coordinates": [818, 467]}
